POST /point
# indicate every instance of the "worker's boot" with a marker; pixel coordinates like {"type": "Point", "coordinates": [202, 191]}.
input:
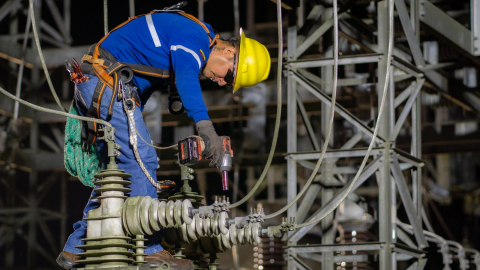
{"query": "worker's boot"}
{"type": "Point", "coordinates": [164, 256]}
{"type": "Point", "coordinates": [67, 260]}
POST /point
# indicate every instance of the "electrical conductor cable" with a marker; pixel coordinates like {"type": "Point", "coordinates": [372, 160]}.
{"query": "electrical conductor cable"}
{"type": "Point", "coordinates": [279, 111]}
{"type": "Point", "coordinates": [330, 122]}
{"type": "Point", "coordinates": [42, 109]}
{"type": "Point", "coordinates": [42, 59]}
{"type": "Point", "coordinates": [343, 193]}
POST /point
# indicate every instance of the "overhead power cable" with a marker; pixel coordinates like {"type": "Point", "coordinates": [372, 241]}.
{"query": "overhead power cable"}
{"type": "Point", "coordinates": [279, 110]}
{"type": "Point", "coordinates": [43, 109]}
{"type": "Point", "coordinates": [343, 193]}
{"type": "Point", "coordinates": [331, 116]}
{"type": "Point", "coordinates": [42, 59]}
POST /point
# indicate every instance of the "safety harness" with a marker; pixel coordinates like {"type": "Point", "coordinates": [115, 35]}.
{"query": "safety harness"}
{"type": "Point", "coordinates": [104, 65]}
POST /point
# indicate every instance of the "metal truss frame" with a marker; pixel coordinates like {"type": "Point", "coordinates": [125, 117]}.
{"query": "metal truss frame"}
{"type": "Point", "coordinates": [24, 216]}
{"type": "Point", "coordinates": [387, 161]}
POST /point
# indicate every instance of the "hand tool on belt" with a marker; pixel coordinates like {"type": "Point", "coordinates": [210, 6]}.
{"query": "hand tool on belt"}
{"type": "Point", "coordinates": [76, 74]}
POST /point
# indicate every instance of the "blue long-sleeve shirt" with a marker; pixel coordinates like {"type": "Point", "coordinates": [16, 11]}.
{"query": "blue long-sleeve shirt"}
{"type": "Point", "coordinates": [168, 41]}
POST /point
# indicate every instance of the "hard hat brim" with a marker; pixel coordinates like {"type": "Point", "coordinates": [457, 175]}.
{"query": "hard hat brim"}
{"type": "Point", "coordinates": [241, 59]}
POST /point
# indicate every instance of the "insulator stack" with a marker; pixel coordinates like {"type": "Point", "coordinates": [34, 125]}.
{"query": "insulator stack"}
{"type": "Point", "coordinates": [269, 254]}
{"type": "Point", "coordinates": [106, 244]}
{"type": "Point", "coordinates": [352, 235]}
{"type": "Point", "coordinates": [144, 216]}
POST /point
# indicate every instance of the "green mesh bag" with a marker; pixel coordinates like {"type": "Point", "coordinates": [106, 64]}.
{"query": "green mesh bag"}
{"type": "Point", "coordinates": [81, 160]}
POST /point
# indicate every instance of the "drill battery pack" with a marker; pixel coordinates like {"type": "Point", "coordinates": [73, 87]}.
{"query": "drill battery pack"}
{"type": "Point", "coordinates": [190, 151]}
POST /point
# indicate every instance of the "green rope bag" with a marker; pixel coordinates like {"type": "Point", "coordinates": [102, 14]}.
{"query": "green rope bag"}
{"type": "Point", "coordinates": [81, 160]}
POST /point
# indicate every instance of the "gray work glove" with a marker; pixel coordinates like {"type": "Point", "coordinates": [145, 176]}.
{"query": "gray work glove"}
{"type": "Point", "coordinates": [213, 144]}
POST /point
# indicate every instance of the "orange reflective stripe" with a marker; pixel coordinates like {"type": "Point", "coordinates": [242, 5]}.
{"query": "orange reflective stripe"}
{"type": "Point", "coordinates": [98, 103]}
{"type": "Point", "coordinates": [151, 73]}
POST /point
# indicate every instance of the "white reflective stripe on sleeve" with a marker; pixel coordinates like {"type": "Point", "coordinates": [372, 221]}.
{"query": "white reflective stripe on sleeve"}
{"type": "Point", "coordinates": [153, 32]}
{"type": "Point", "coordinates": [175, 47]}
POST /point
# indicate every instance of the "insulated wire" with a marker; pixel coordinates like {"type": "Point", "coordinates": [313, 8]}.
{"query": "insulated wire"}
{"type": "Point", "coordinates": [154, 146]}
{"type": "Point", "coordinates": [372, 142]}
{"type": "Point", "coordinates": [105, 17]}
{"type": "Point", "coordinates": [330, 123]}
{"type": "Point", "coordinates": [42, 109]}
{"type": "Point", "coordinates": [42, 59]}
{"type": "Point", "coordinates": [22, 65]}
{"type": "Point", "coordinates": [279, 110]}
{"type": "Point", "coordinates": [427, 233]}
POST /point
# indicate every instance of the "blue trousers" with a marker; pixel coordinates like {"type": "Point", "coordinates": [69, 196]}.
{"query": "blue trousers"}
{"type": "Point", "coordinates": [126, 161]}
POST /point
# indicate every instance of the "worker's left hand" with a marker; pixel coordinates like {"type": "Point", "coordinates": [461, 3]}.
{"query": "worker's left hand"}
{"type": "Point", "coordinates": [213, 143]}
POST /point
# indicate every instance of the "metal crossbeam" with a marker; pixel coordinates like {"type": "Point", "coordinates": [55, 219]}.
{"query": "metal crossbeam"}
{"type": "Point", "coordinates": [367, 172]}
{"type": "Point", "coordinates": [347, 153]}
{"type": "Point", "coordinates": [338, 108]}
{"type": "Point", "coordinates": [408, 203]}
{"type": "Point", "coordinates": [344, 60]}
{"type": "Point", "coordinates": [406, 110]}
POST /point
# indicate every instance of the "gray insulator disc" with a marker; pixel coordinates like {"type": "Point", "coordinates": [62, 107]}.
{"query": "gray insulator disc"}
{"type": "Point", "coordinates": [256, 233]}
{"type": "Point", "coordinates": [132, 213]}
{"type": "Point", "coordinates": [182, 232]}
{"type": "Point", "coordinates": [241, 236]}
{"type": "Point", "coordinates": [177, 213]}
{"type": "Point", "coordinates": [226, 241]}
{"type": "Point", "coordinates": [169, 214]}
{"type": "Point", "coordinates": [222, 222]}
{"type": "Point", "coordinates": [143, 212]}
{"type": "Point", "coordinates": [232, 233]}
{"type": "Point", "coordinates": [191, 230]}
{"type": "Point", "coordinates": [199, 226]}
{"type": "Point", "coordinates": [206, 226]}
{"type": "Point", "coordinates": [186, 205]}
{"type": "Point", "coordinates": [214, 225]}
{"type": "Point", "coordinates": [153, 214]}
{"type": "Point", "coordinates": [248, 234]}
{"type": "Point", "coordinates": [217, 242]}
{"type": "Point", "coordinates": [162, 219]}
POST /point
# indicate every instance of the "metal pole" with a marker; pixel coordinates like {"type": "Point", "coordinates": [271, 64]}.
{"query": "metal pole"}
{"type": "Point", "coordinates": [250, 14]}
{"type": "Point", "coordinates": [328, 236]}
{"type": "Point", "coordinates": [416, 148]}
{"type": "Point", "coordinates": [105, 16]}
{"type": "Point", "coordinates": [236, 181]}
{"type": "Point", "coordinates": [22, 65]}
{"type": "Point", "coordinates": [236, 16]}
{"type": "Point", "coordinates": [200, 9]}
{"type": "Point", "coordinates": [131, 7]}
{"type": "Point", "coordinates": [291, 133]}
{"type": "Point", "coordinates": [386, 187]}
{"type": "Point", "coordinates": [63, 209]}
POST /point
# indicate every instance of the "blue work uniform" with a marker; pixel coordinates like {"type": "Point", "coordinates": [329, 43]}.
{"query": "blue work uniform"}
{"type": "Point", "coordinates": [165, 40]}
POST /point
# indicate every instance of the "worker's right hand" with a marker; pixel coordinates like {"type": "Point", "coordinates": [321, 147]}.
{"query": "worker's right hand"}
{"type": "Point", "coordinates": [213, 144]}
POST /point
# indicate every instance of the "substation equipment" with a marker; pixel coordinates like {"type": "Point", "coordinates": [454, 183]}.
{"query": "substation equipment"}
{"type": "Point", "coordinates": [188, 224]}
{"type": "Point", "coordinates": [387, 162]}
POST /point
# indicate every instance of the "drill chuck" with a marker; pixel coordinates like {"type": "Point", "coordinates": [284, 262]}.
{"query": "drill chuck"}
{"type": "Point", "coordinates": [225, 168]}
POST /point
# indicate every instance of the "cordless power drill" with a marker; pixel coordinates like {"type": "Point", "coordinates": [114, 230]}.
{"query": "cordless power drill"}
{"type": "Point", "coordinates": [190, 153]}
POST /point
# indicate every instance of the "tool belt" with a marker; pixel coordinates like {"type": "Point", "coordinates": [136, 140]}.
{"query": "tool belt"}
{"type": "Point", "coordinates": [109, 72]}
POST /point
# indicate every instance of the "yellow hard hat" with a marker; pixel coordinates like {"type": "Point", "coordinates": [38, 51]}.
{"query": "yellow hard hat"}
{"type": "Point", "coordinates": [253, 63]}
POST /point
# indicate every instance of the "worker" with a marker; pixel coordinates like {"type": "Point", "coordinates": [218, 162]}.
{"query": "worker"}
{"type": "Point", "coordinates": [155, 46]}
